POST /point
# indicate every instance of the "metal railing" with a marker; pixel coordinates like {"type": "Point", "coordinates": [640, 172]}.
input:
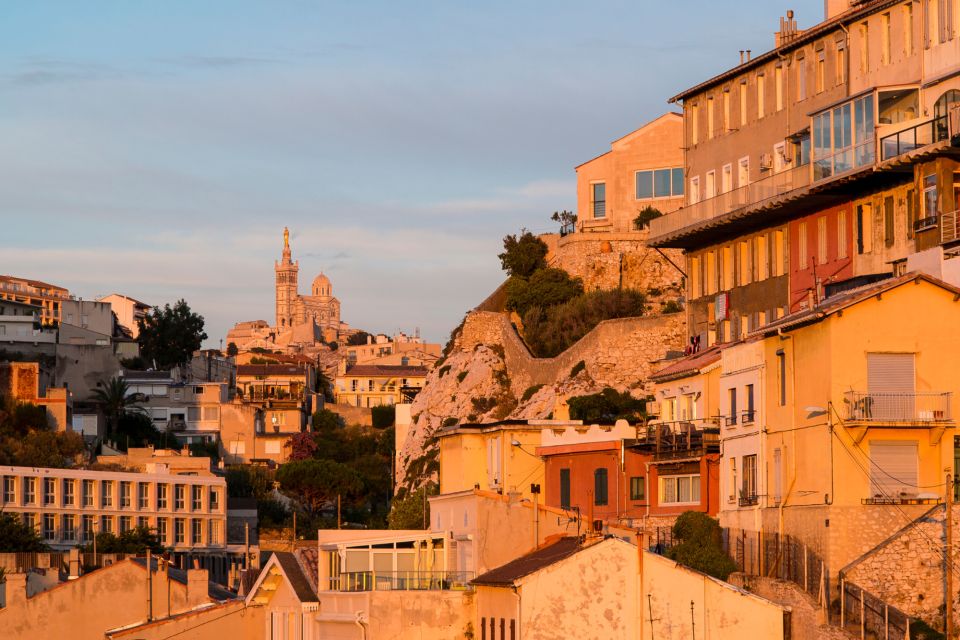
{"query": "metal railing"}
{"type": "Point", "coordinates": [748, 500]}
{"type": "Point", "coordinates": [402, 581]}
{"type": "Point", "coordinates": [754, 193]}
{"type": "Point", "coordinates": [949, 229]}
{"type": "Point", "coordinates": [871, 614]}
{"type": "Point", "coordinates": [925, 223]}
{"type": "Point", "coordinates": [679, 439]}
{"type": "Point", "coordinates": [775, 556]}
{"type": "Point", "coordinates": [912, 138]}
{"type": "Point", "coordinates": [898, 407]}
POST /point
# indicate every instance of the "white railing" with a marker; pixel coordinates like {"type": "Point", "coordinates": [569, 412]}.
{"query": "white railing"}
{"type": "Point", "coordinates": [898, 407]}
{"type": "Point", "coordinates": [754, 193]}
{"type": "Point", "coordinates": [949, 229]}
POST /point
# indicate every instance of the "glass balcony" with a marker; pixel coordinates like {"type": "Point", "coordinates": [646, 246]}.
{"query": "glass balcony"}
{"type": "Point", "coordinates": [402, 581]}
{"type": "Point", "coordinates": [920, 135]}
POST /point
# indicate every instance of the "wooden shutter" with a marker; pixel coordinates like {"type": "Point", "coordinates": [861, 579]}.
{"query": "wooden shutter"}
{"type": "Point", "coordinates": [893, 469]}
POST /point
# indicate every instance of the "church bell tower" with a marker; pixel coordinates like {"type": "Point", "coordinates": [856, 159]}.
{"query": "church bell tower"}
{"type": "Point", "coordinates": [286, 284]}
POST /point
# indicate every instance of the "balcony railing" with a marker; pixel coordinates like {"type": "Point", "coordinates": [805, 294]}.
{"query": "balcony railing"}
{"type": "Point", "coordinates": [679, 439]}
{"type": "Point", "coordinates": [920, 135]}
{"type": "Point", "coordinates": [402, 581]}
{"type": "Point", "coordinates": [949, 229]}
{"type": "Point", "coordinates": [921, 408]}
{"type": "Point", "coordinates": [755, 193]}
{"type": "Point", "coordinates": [748, 500]}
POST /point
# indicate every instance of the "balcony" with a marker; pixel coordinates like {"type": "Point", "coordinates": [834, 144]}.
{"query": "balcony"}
{"type": "Point", "coordinates": [911, 408]}
{"type": "Point", "coordinates": [748, 499]}
{"type": "Point", "coordinates": [676, 440]}
{"type": "Point", "coordinates": [402, 581]}
{"type": "Point", "coordinates": [916, 137]}
{"type": "Point", "coordinates": [949, 229]}
{"type": "Point", "coordinates": [755, 194]}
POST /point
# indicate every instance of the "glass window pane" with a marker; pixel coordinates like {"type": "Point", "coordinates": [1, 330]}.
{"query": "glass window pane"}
{"type": "Point", "coordinates": [644, 184]}
{"type": "Point", "coordinates": [695, 489]}
{"type": "Point", "coordinates": [683, 484]}
{"type": "Point", "coordinates": [661, 183]}
{"type": "Point", "coordinates": [678, 182]}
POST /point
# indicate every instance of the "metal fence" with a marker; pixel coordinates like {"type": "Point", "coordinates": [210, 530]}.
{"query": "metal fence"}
{"type": "Point", "coordinates": [872, 615]}
{"type": "Point", "coordinates": [775, 556]}
{"type": "Point", "coordinates": [402, 581]}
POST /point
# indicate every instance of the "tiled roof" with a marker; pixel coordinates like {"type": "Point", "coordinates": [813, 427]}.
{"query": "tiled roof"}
{"type": "Point", "coordinates": [380, 370]}
{"type": "Point", "coordinates": [33, 283]}
{"type": "Point", "coordinates": [507, 575]}
{"type": "Point", "coordinates": [688, 365]}
{"type": "Point", "coordinates": [302, 586]}
{"type": "Point", "coordinates": [309, 559]}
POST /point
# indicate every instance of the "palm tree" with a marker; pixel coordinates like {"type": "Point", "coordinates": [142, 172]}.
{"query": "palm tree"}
{"type": "Point", "coordinates": [115, 399]}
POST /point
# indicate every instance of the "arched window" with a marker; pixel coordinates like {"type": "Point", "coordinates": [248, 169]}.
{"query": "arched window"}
{"type": "Point", "coordinates": [942, 106]}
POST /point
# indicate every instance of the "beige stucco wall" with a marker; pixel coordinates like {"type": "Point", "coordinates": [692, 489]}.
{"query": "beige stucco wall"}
{"type": "Point", "coordinates": [232, 620]}
{"type": "Point", "coordinates": [399, 615]}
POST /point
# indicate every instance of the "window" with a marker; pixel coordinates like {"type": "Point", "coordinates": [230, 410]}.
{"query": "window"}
{"type": "Point", "coordinates": [564, 488]}
{"type": "Point", "coordinates": [726, 178]}
{"type": "Point", "coordinates": [196, 531]}
{"type": "Point", "coordinates": [749, 488]}
{"type": "Point", "coordinates": [143, 495]}
{"type": "Point", "coordinates": [694, 122]}
{"type": "Point", "coordinates": [87, 493]}
{"type": "Point", "coordinates": [126, 523]}
{"type": "Point", "coordinates": [885, 38]}
{"type": "Point", "coordinates": [143, 522]}
{"type": "Point", "coordinates": [864, 228]}
{"type": "Point", "coordinates": [748, 414]}
{"type": "Point", "coordinates": [743, 103]}
{"type": "Point", "coordinates": [599, 200]}
{"type": "Point", "coordinates": [761, 107]}
{"type": "Point", "coordinates": [696, 282]}
{"type": "Point", "coordinates": [49, 526]}
{"type": "Point", "coordinates": [179, 497]}
{"type": "Point", "coordinates": [178, 531]}
{"type": "Point", "coordinates": [908, 28]}
{"type": "Point", "coordinates": [891, 384]}
{"type": "Point", "coordinates": [926, 24]}
{"type": "Point", "coordinates": [893, 469]}
{"type": "Point", "coordinates": [762, 261]}
{"type": "Point", "coordinates": [86, 528]}
{"type": "Point", "coordinates": [930, 196]}
{"type": "Point", "coordinates": [802, 260]}
{"type": "Point", "coordinates": [694, 189]}
{"type": "Point", "coordinates": [162, 530]}
{"type": "Point", "coordinates": [106, 524]}
{"type": "Point", "coordinates": [745, 266]}
{"type": "Point", "coordinates": [659, 183]}
{"type": "Point", "coordinates": [106, 493]}
{"type": "Point", "coordinates": [710, 185]}
{"type": "Point", "coordinates": [727, 269]}
{"type": "Point", "coordinates": [126, 499]}
{"type": "Point", "coordinates": [841, 70]}
{"type": "Point", "coordinates": [945, 15]}
{"type": "Point", "coordinates": [69, 496]}
{"type": "Point", "coordinates": [743, 172]}
{"type": "Point", "coordinates": [9, 489]}
{"type": "Point", "coordinates": [733, 480]}
{"type": "Point", "coordinates": [680, 489]}
{"type": "Point", "coordinates": [600, 487]}
{"type": "Point", "coordinates": [888, 213]}
{"type": "Point", "coordinates": [214, 527]}
{"type": "Point", "coordinates": [777, 476]}
{"type": "Point", "coordinates": [782, 377]}
{"type": "Point", "coordinates": [841, 235]}
{"type": "Point", "coordinates": [727, 124]}
{"type": "Point", "coordinates": [778, 82]}
{"type": "Point", "coordinates": [197, 498]}
{"type": "Point", "coordinates": [822, 239]}
{"type": "Point", "coordinates": [843, 138]}
{"type": "Point", "coordinates": [821, 79]}
{"type": "Point", "coordinates": [710, 128]}
{"type": "Point", "coordinates": [214, 500]}
{"type": "Point", "coordinates": [49, 495]}
{"type": "Point", "coordinates": [30, 521]}
{"type": "Point", "coordinates": [29, 490]}
{"type": "Point", "coordinates": [162, 491]}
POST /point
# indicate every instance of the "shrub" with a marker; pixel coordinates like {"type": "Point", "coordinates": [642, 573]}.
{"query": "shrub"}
{"type": "Point", "coordinates": [449, 422]}
{"type": "Point", "coordinates": [444, 370]}
{"type": "Point", "coordinates": [642, 221]}
{"type": "Point", "coordinates": [412, 511]}
{"type": "Point", "coordinates": [577, 368]}
{"type": "Point", "coordinates": [483, 405]}
{"type": "Point", "coordinates": [545, 288]}
{"type": "Point", "coordinates": [671, 306]}
{"type": "Point", "coordinates": [523, 254]}
{"type": "Point", "coordinates": [550, 331]}
{"type": "Point", "coordinates": [699, 546]}
{"type": "Point", "coordinates": [530, 392]}
{"type": "Point", "coordinates": [383, 416]}
{"type": "Point", "coordinates": [461, 376]}
{"type": "Point", "coordinates": [607, 406]}
{"type": "Point", "coordinates": [654, 291]}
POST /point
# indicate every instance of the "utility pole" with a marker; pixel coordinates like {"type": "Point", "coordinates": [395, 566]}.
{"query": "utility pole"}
{"type": "Point", "coordinates": [948, 557]}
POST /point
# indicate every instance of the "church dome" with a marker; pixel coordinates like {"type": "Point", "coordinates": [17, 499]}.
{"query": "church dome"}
{"type": "Point", "coordinates": [321, 286]}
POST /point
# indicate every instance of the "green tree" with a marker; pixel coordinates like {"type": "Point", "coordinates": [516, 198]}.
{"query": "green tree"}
{"type": "Point", "coordinates": [170, 335]}
{"type": "Point", "coordinates": [648, 213]}
{"type": "Point", "coordinates": [523, 255]}
{"type": "Point", "coordinates": [20, 418]}
{"type": "Point", "coordinates": [42, 448]}
{"type": "Point", "coordinates": [547, 287]}
{"type": "Point", "coordinates": [412, 510]}
{"type": "Point", "coordinates": [315, 484]}
{"type": "Point", "coordinates": [249, 482]}
{"type": "Point", "coordinates": [326, 420]}
{"type": "Point", "coordinates": [383, 416]}
{"type": "Point", "coordinates": [116, 401]}
{"type": "Point", "coordinates": [607, 406]}
{"type": "Point", "coordinates": [699, 545]}
{"type": "Point", "coordinates": [360, 337]}
{"type": "Point", "coordinates": [16, 536]}
{"type": "Point", "coordinates": [137, 540]}
{"type": "Point", "coordinates": [232, 349]}
{"type": "Point", "coordinates": [567, 220]}
{"type": "Point", "coordinates": [135, 429]}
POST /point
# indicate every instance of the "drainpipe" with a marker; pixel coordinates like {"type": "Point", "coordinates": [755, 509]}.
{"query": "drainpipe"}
{"type": "Point", "coordinates": [516, 592]}
{"type": "Point", "coordinates": [361, 624]}
{"type": "Point", "coordinates": [793, 431]}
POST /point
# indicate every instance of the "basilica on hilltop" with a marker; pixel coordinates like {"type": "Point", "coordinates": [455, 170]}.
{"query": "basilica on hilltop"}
{"type": "Point", "coordinates": [302, 322]}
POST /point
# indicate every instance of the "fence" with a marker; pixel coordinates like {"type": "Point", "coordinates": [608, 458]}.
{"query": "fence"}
{"type": "Point", "coordinates": [773, 556]}
{"type": "Point", "coordinates": [871, 614]}
{"type": "Point", "coordinates": [402, 581]}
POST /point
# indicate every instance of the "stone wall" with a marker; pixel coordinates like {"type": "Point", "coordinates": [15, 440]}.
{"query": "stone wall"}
{"type": "Point", "coordinates": [808, 621]}
{"type": "Point", "coordinates": [907, 570]}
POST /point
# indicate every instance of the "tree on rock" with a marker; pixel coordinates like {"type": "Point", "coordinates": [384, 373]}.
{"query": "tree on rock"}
{"type": "Point", "coordinates": [523, 254]}
{"type": "Point", "coordinates": [169, 336]}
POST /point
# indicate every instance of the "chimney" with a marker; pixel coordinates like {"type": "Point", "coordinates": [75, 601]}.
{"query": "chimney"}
{"type": "Point", "coordinates": [197, 585]}
{"type": "Point", "coordinates": [788, 30]}
{"type": "Point", "coordinates": [741, 56]}
{"type": "Point", "coordinates": [832, 8]}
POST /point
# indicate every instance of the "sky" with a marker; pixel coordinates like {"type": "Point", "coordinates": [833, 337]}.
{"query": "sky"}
{"type": "Point", "coordinates": [157, 149]}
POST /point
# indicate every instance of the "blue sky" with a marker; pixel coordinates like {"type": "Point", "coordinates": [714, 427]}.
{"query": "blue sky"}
{"type": "Point", "coordinates": [158, 149]}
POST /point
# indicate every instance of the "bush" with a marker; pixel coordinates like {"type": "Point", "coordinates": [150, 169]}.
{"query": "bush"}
{"type": "Point", "coordinates": [699, 546]}
{"type": "Point", "coordinates": [545, 288]}
{"type": "Point", "coordinates": [483, 405]}
{"type": "Point", "coordinates": [16, 536]}
{"type": "Point", "coordinates": [383, 416]}
{"type": "Point", "coordinates": [577, 368]}
{"type": "Point", "coordinates": [137, 540]}
{"type": "Point", "coordinates": [326, 420]}
{"type": "Point", "coordinates": [412, 511]}
{"type": "Point", "coordinates": [671, 306]}
{"type": "Point", "coordinates": [530, 392]}
{"type": "Point", "coordinates": [523, 254]}
{"type": "Point", "coordinates": [606, 407]}
{"type": "Point", "coordinates": [357, 339]}
{"type": "Point", "coordinates": [642, 221]}
{"type": "Point", "coordinates": [449, 422]}
{"type": "Point", "coordinates": [444, 370]}
{"type": "Point", "coordinates": [550, 331]}
{"type": "Point", "coordinates": [461, 376]}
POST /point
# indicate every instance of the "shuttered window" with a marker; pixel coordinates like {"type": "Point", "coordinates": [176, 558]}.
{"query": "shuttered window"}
{"type": "Point", "coordinates": [891, 384]}
{"type": "Point", "coordinates": [564, 488]}
{"type": "Point", "coordinates": [893, 469]}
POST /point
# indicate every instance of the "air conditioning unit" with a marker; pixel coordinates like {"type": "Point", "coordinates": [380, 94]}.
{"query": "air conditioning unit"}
{"type": "Point", "coordinates": [766, 161]}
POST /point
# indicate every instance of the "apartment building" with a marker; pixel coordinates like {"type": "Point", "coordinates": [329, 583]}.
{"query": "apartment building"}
{"type": "Point", "coordinates": [48, 297]}
{"type": "Point", "coordinates": [642, 169]}
{"type": "Point", "coordinates": [819, 164]}
{"type": "Point", "coordinates": [129, 311]}
{"type": "Point", "coordinates": [373, 385]}
{"type": "Point", "coordinates": [69, 506]}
